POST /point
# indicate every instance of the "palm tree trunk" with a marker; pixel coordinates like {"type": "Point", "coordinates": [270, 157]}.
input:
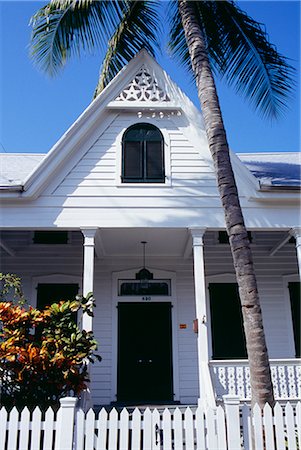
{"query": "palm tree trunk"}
{"type": "Point", "coordinates": [261, 384]}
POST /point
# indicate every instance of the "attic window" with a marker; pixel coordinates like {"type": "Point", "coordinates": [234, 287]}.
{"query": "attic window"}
{"type": "Point", "coordinates": [143, 155]}
{"type": "Point", "coordinates": [223, 237]}
{"type": "Point", "coordinates": [50, 237]}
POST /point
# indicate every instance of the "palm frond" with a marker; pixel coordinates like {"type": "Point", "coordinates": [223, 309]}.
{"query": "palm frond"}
{"type": "Point", "coordinates": [64, 28]}
{"type": "Point", "coordinates": [177, 42]}
{"type": "Point", "coordinates": [251, 63]}
{"type": "Point", "coordinates": [137, 29]}
{"type": "Point", "coordinates": [240, 51]}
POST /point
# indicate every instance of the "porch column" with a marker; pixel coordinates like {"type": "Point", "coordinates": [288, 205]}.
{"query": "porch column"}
{"type": "Point", "coordinates": [205, 383]}
{"type": "Point", "coordinates": [296, 232]}
{"type": "Point", "coordinates": [88, 271]}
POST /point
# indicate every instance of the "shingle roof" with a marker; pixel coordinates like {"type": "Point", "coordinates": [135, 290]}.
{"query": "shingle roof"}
{"type": "Point", "coordinates": [15, 167]}
{"type": "Point", "coordinates": [272, 169]}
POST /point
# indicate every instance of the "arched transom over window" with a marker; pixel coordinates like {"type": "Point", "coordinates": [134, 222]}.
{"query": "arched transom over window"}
{"type": "Point", "coordinates": [143, 155]}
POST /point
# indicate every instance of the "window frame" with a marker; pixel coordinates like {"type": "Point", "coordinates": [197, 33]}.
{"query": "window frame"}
{"type": "Point", "coordinates": [143, 148]}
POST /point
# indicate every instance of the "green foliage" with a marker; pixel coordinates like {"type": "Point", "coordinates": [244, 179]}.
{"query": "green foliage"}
{"type": "Point", "coordinates": [10, 286]}
{"type": "Point", "coordinates": [43, 354]}
{"type": "Point", "coordinates": [238, 47]}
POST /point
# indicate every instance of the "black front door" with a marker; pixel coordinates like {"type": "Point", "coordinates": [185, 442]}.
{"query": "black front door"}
{"type": "Point", "coordinates": [144, 353]}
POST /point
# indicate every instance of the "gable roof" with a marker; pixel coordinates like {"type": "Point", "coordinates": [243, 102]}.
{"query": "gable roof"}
{"type": "Point", "coordinates": [142, 84]}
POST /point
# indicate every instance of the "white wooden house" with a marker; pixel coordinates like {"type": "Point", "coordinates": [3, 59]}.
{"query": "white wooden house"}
{"type": "Point", "coordinates": [135, 167]}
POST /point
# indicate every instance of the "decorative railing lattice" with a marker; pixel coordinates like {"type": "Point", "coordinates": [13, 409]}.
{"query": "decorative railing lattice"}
{"type": "Point", "coordinates": [233, 377]}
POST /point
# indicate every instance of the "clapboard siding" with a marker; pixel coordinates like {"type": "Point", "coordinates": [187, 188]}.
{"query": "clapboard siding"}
{"type": "Point", "coordinates": [100, 167]}
{"type": "Point", "coordinates": [35, 260]}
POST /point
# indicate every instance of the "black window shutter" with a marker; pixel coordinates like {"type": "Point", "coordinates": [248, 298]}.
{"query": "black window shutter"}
{"type": "Point", "coordinates": [228, 339]}
{"type": "Point", "coordinates": [132, 161]}
{"type": "Point", "coordinates": [154, 161]}
{"type": "Point", "coordinates": [143, 158]}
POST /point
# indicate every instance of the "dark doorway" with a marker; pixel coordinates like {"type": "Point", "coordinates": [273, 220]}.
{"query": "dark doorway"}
{"type": "Point", "coordinates": [294, 290]}
{"type": "Point", "coordinates": [144, 353]}
{"type": "Point", "coordinates": [228, 339]}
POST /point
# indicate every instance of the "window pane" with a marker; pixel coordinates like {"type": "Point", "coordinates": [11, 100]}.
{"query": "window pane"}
{"type": "Point", "coordinates": [144, 288]}
{"type": "Point", "coordinates": [132, 160]}
{"type": "Point", "coordinates": [154, 161]}
{"type": "Point", "coordinates": [142, 132]}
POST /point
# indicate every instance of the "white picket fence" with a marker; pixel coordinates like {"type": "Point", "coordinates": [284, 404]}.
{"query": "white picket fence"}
{"type": "Point", "coordinates": [228, 427]}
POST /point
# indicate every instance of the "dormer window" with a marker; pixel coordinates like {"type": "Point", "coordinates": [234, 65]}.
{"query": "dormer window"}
{"type": "Point", "coordinates": [143, 155]}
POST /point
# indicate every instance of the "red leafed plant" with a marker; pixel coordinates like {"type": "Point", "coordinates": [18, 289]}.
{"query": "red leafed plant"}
{"type": "Point", "coordinates": [43, 353]}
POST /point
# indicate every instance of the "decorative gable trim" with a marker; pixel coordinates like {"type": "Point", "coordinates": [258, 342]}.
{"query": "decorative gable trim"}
{"type": "Point", "coordinates": [144, 87]}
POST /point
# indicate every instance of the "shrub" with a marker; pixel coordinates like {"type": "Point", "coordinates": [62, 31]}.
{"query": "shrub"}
{"type": "Point", "coordinates": [43, 354]}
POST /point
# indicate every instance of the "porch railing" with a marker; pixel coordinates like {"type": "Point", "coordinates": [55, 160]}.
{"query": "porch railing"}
{"type": "Point", "coordinates": [233, 377]}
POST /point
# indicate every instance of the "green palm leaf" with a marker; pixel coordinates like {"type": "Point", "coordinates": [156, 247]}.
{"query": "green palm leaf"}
{"type": "Point", "coordinates": [138, 29]}
{"type": "Point", "coordinates": [239, 50]}
{"type": "Point", "coordinates": [64, 28]}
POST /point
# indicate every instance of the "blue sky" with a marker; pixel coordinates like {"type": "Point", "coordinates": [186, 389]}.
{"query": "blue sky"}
{"type": "Point", "coordinates": [36, 110]}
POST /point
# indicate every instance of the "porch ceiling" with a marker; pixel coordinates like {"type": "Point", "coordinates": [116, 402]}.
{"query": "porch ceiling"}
{"type": "Point", "coordinates": [127, 242]}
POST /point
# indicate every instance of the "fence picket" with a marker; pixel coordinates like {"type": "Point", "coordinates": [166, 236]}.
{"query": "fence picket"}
{"type": "Point", "coordinates": [90, 430]}
{"type": "Point", "coordinates": [280, 436]}
{"type": "Point", "coordinates": [3, 424]}
{"type": "Point", "coordinates": [221, 429]}
{"type": "Point", "coordinates": [48, 430]}
{"type": "Point", "coordinates": [211, 434]}
{"type": "Point", "coordinates": [246, 427]}
{"type": "Point", "coordinates": [79, 435]}
{"type": "Point", "coordinates": [24, 429]}
{"type": "Point", "coordinates": [136, 429]}
{"type": "Point", "coordinates": [156, 438]}
{"type": "Point", "coordinates": [258, 430]}
{"type": "Point", "coordinates": [290, 427]}
{"type": "Point", "coordinates": [147, 430]}
{"type": "Point", "coordinates": [113, 429]}
{"type": "Point", "coordinates": [124, 429]}
{"type": "Point", "coordinates": [13, 429]}
{"type": "Point", "coordinates": [36, 429]}
{"type": "Point", "coordinates": [166, 430]}
{"type": "Point", "coordinates": [200, 429]}
{"type": "Point", "coordinates": [178, 429]}
{"type": "Point", "coordinates": [268, 427]}
{"type": "Point", "coordinates": [102, 430]}
{"type": "Point", "coordinates": [298, 423]}
{"type": "Point", "coordinates": [189, 429]}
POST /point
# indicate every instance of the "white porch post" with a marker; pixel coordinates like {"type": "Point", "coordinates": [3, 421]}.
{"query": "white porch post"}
{"type": "Point", "coordinates": [205, 383]}
{"type": "Point", "coordinates": [296, 232]}
{"type": "Point", "coordinates": [88, 285]}
{"type": "Point", "coordinates": [88, 271]}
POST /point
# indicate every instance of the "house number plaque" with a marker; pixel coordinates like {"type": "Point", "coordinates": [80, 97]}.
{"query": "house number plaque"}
{"type": "Point", "coordinates": [146, 299]}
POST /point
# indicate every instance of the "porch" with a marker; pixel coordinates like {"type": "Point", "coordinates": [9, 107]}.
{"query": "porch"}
{"type": "Point", "coordinates": [190, 260]}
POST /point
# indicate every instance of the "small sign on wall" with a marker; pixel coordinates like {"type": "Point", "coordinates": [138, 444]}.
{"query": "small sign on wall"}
{"type": "Point", "coordinates": [183, 326]}
{"type": "Point", "coordinates": [195, 326]}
